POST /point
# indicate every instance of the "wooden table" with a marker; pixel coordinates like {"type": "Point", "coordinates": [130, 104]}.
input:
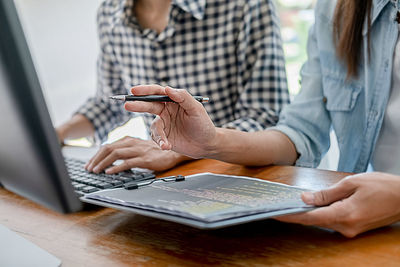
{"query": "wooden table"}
{"type": "Point", "coordinates": [106, 237]}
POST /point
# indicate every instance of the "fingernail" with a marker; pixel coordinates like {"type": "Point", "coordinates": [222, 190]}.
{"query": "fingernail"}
{"type": "Point", "coordinates": [161, 143]}
{"type": "Point", "coordinates": [96, 169]}
{"type": "Point", "coordinates": [308, 198]}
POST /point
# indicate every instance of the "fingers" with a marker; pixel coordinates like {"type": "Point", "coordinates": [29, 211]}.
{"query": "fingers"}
{"type": "Point", "coordinates": [103, 152]}
{"type": "Point", "coordinates": [339, 191]}
{"type": "Point", "coordinates": [180, 96]}
{"type": "Point", "coordinates": [119, 168]}
{"type": "Point", "coordinates": [117, 154]}
{"type": "Point", "coordinates": [152, 89]}
{"type": "Point", "coordinates": [158, 134]}
{"type": "Point", "coordinates": [339, 217]}
{"type": "Point", "coordinates": [149, 107]}
{"type": "Point", "coordinates": [329, 216]}
{"type": "Point", "coordinates": [184, 99]}
{"type": "Point", "coordinates": [318, 217]}
{"type": "Point", "coordinates": [126, 165]}
{"type": "Point", "coordinates": [153, 107]}
{"type": "Point", "coordinates": [340, 213]}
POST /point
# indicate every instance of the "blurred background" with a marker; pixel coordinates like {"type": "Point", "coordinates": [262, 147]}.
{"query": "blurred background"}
{"type": "Point", "coordinates": [296, 18]}
{"type": "Point", "coordinates": [63, 41]}
{"type": "Point", "coordinates": [62, 36]}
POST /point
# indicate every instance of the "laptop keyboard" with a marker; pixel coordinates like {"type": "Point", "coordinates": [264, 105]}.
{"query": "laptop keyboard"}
{"type": "Point", "coordinates": [85, 182]}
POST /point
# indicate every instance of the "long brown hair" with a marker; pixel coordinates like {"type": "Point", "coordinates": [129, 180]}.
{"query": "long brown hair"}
{"type": "Point", "coordinates": [348, 24]}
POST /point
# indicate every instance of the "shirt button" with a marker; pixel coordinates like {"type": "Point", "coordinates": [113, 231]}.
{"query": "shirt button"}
{"type": "Point", "coordinates": [324, 99]}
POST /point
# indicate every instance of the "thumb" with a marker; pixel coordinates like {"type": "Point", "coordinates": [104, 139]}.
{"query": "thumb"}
{"type": "Point", "coordinates": [339, 191]}
{"type": "Point", "coordinates": [158, 134]}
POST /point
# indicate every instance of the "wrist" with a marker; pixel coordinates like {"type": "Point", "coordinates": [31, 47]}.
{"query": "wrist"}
{"type": "Point", "coordinates": [77, 127]}
{"type": "Point", "coordinates": [170, 160]}
{"type": "Point", "coordinates": [178, 158]}
{"type": "Point", "coordinates": [212, 149]}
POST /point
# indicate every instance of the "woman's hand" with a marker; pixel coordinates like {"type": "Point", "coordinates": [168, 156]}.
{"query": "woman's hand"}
{"type": "Point", "coordinates": [356, 204]}
{"type": "Point", "coordinates": [183, 127]}
{"type": "Point", "coordinates": [133, 152]}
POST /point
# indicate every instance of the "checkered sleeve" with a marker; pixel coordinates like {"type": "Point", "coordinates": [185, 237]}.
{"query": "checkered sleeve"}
{"type": "Point", "coordinates": [103, 113]}
{"type": "Point", "coordinates": [261, 65]}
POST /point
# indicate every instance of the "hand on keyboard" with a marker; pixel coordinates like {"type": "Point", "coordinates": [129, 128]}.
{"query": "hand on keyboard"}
{"type": "Point", "coordinates": [85, 182]}
{"type": "Point", "coordinates": [135, 153]}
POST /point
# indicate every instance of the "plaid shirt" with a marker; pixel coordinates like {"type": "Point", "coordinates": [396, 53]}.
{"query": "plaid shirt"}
{"type": "Point", "coordinates": [229, 51]}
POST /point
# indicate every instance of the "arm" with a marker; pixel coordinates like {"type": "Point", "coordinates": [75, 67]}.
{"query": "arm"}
{"type": "Point", "coordinates": [252, 149]}
{"type": "Point", "coordinates": [185, 128]}
{"type": "Point", "coordinates": [306, 121]}
{"type": "Point", "coordinates": [78, 126]}
{"type": "Point", "coordinates": [229, 145]}
{"type": "Point", "coordinates": [261, 74]}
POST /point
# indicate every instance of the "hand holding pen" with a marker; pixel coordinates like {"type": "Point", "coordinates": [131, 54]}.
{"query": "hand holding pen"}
{"type": "Point", "coordinates": [183, 125]}
{"type": "Point", "coordinates": [152, 98]}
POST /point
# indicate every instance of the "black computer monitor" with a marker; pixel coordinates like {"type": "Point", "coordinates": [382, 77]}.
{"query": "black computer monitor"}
{"type": "Point", "coordinates": [31, 163]}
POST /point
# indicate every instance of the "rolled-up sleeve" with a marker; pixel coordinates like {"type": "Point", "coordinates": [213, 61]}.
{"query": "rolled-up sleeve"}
{"type": "Point", "coordinates": [306, 120]}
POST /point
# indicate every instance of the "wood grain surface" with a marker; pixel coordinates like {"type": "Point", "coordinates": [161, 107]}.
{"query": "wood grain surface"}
{"type": "Point", "coordinates": [106, 237]}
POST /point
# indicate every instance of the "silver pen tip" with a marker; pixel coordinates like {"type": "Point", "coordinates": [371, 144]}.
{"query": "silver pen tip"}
{"type": "Point", "coordinates": [118, 97]}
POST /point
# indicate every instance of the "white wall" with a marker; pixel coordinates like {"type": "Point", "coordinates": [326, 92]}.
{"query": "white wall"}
{"type": "Point", "coordinates": [62, 36]}
{"type": "Point", "coordinates": [63, 42]}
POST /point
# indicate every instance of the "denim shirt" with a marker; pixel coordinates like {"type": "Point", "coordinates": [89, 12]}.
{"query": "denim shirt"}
{"type": "Point", "coordinates": [354, 108]}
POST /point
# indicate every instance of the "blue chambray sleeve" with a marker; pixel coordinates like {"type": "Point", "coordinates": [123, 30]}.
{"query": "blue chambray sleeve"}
{"type": "Point", "coordinates": [105, 115]}
{"type": "Point", "coordinates": [261, 65]}
{"type": "Point", "coordinates": [306, 120]}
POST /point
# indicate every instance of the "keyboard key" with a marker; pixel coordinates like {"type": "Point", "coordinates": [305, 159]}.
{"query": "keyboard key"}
{"type": "Point", "coordinates": [125, 179]}
{"type": "Point", "coordinates": [79, 186]}
{"type": "Point", "coordinates": [85, 182]}
{"type": "Point", "coordinates": [116, 183]}
{"type": "Point", "coordinates": [105, 185]}
{"type": "Point", "coordinates": [89, 189]}
{"type": "Point", "coordinates": [95, 183]}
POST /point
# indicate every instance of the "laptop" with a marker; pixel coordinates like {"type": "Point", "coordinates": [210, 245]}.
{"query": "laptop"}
{"type": "Point", "coordinates": [31, 162]}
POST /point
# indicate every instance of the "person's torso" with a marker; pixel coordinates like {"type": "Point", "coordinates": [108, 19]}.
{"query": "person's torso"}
{"type": "Point", "coordinates": [199, 55]}
{"type": "Point", "coordinates": [357, 106]}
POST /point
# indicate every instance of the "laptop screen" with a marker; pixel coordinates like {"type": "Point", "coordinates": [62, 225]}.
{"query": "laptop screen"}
{"type": "Point", "coordinates": [31, 163]}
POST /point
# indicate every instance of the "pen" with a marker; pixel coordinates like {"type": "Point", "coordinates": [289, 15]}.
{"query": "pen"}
{"type": "Point", "coordinates": [152, 98]}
